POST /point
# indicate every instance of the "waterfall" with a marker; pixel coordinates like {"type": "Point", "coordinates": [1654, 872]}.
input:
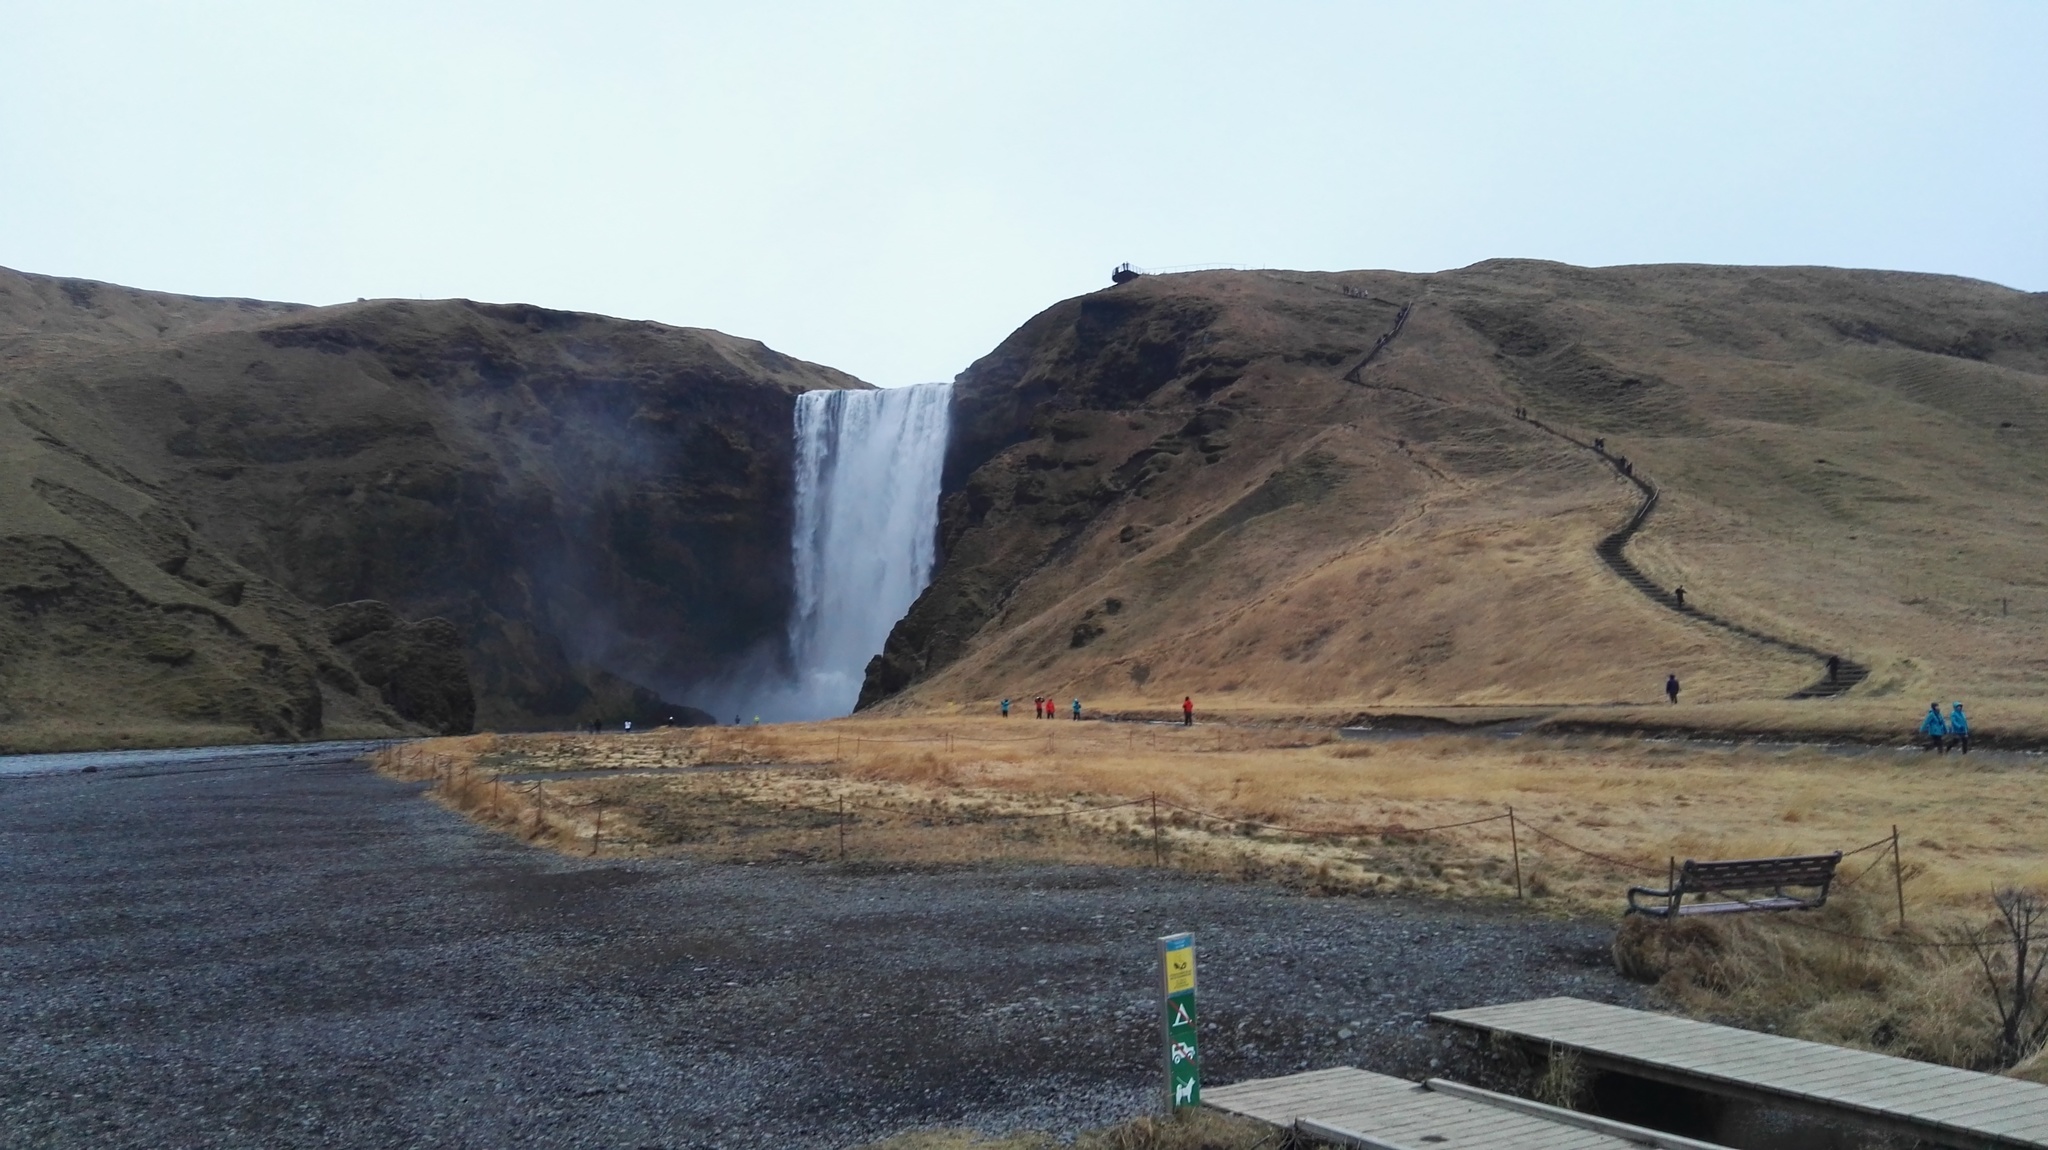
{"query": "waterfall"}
{"type": "Point", "coordinates": [867, 514]}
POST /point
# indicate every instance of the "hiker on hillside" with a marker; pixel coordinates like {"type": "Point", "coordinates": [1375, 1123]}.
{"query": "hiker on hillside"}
{"type": "Point", "coordinates": [1935, 729]}
{"type": "Point", "coordinates": [1959, 726]}
{"type": "Point", "coordinates": [1187, 711]}
{"type": "Point", "coordinates": [1671, 688]}
{"type": "Point", "coordinates": [1679, 594]}
{"type": "Point", "coordinates": [1006, 708]}
{"type": "Point", "coordinates": [1038, 707]}
{"type": "Point", "coordinates": [1834, 668]}
{"type": "Point", "coordinates": [1077, 710]}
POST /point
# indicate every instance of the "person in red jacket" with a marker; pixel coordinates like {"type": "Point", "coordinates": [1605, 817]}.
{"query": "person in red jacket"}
{"type": "Point", "coordinates": [1187, 711]}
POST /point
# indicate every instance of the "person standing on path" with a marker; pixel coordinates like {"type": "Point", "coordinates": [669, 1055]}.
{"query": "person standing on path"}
{"type": "Point", "coordinates": [1077, 710]}
{"type": "Point", "coordinates": [1006, 708]}
{"type": "Point", "coordinates": [1679, 595]}
{"type": "Point", "coordinates": [1038, 707]}
{"type": "Point", "coordinates": [1187, 711]}
{"type": "Point", "coordinates": [1959, 726]}
{"type": "Point", "coordinates": [1834, 667]}
{"type": "Point", "coordinates": [1671, 688]}
{"type": "Point", "coordinates": [1935, 730]}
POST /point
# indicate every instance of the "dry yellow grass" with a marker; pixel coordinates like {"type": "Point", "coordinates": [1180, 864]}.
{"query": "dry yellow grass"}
{"type": "Point", "coordinates": [1592, 816]}
{"type": "Point", "coordinates": [1967, 823]}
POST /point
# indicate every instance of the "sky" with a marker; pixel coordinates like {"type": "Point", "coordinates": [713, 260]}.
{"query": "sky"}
{"type": "Point", "coordinates": [893, 188]}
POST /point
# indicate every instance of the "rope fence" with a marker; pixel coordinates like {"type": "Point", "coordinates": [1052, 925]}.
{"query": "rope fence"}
{"type": "Point", "coordinates": [846, 815]}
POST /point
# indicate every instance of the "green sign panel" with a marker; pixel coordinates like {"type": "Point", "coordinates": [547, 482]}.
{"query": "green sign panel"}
{"type": "Point", "coordinates": [1177, 1021]}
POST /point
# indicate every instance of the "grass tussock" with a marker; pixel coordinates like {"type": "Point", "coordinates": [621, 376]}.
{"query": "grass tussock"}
{"type": "Point", "coordinates": [1815, 976]}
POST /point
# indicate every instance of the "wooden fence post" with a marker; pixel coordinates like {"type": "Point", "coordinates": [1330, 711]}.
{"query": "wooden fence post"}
{"type": "Point", "coordinates": [1898, 876]}
{"type": "Point", "coordinates": [842, 829]}
{"type": "Point", "coordinates": [1158, 847]}
{"type": "Point", "coordinates": [597, 829]}
{"type": "Point", "coordinates": [1515, 845]}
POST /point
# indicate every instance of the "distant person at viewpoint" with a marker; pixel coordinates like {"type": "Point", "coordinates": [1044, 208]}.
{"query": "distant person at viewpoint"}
{"type": "Point", "coordinates": [1959, 727]}
{"type": "Point", "coordinates": [1187, 711]}
{"type": "Point", "coordinates": [1077, 709]}
{"type": "Point", "coordinates": [1671, 688]}
{"type": "Point", "coordinates": [1006, 708]}
{"type": "Point", "coordinates": [1935, 729]}
{"type": "Point", "coordinates": [1679, 595]}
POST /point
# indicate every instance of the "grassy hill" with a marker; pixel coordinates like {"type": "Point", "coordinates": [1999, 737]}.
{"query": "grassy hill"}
{"type": "Point", "coordinates": [193, 492]}
{"type": "Point", "coordinates": [1171, 487]}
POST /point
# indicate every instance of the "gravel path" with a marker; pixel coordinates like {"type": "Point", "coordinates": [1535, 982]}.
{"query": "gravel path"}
{"type": "Point", "coordinates": [266, 953]}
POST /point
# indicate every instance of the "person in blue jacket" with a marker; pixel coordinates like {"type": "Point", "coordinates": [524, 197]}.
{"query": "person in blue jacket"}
{"type": "Point", "coordinates": [1006, 708]}
{"type": "Point", "coordinates": [1935, 729]}
{"type": "Point", "coordinates": [1077, 708]}
{"type": "Point", "coordinates": [1959, 726]}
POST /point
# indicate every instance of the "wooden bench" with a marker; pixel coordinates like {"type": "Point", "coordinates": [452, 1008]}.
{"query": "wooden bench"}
{"type": "Point", "coordinates": [1738, 877]}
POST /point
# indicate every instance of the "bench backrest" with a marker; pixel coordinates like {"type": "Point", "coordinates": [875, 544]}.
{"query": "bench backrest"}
{"type": "Point", "coordinates": [1755, 874]}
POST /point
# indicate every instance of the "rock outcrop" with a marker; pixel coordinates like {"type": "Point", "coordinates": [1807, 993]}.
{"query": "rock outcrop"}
{"type": "Point", "coordinates": [594, 512]}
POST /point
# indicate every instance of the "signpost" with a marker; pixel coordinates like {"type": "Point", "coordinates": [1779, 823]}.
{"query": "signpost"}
{"type": "Point", "coordinates": [1177, 1021]}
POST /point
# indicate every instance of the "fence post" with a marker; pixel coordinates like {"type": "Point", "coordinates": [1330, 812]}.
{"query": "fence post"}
{"type": "Point", "coordinates": [540, 801]}
{"type": "Point", "coordinates": [1158, 848]}
{"type": "Point", "coordinates": [597, 829]}
{"type": "Point", "coordinates": [1515, 845]}
{"type": "Point", "coordinates": [842, 828]}
{"type": "Point", "coordinates": [1898, 876]}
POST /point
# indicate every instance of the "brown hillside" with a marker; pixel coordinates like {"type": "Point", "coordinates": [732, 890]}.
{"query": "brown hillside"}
{"type": "Point", "coordinates": [598, 509]}
{"type": "Point", "coordinates": [1170, 487]}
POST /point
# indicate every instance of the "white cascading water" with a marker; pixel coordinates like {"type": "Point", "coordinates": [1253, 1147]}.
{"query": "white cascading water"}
{"type": "Point", "coordinates": [867, 514]}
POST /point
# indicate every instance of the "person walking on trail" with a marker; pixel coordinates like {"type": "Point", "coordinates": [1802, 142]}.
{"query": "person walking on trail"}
{"type": "Point", "coordinates": [1077, 710]}
{"type": "Point", "coordinates": [1959, 727]}
{"type": "Point", "coordinates": [1187, 711]}
{"type": "Point", "coordinates": [1834, 667]}
{"type": "Point", "coordinates": [1038, 707]}
{"type": "Point", "coordinates": [1935, 729]}
{"type": "Point", "coordinates": [1006, 708]}
{"type": "Point", "coordinates": [1679, 595]}
{"type": "Point", "coordinates": [1671, 688]}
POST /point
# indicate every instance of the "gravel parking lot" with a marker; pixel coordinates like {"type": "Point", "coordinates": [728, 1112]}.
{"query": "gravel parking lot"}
{"type": "Point", "coordinates": [291, 951]}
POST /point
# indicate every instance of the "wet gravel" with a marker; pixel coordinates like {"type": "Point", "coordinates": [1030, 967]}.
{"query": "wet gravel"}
{"type": "Point", "coordinates": [265, 952]}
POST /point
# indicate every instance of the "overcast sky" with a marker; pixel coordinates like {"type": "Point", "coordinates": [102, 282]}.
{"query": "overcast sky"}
{"type": "Point", "coordinates": [891, 189]}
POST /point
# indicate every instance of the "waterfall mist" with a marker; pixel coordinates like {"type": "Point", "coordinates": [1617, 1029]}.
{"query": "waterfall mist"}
{"type": "Point", "coordinates": [864, 540]}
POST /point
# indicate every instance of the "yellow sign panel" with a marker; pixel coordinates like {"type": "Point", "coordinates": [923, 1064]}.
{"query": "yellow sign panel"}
{"type": "Point", "coordinates": [1180, 969]}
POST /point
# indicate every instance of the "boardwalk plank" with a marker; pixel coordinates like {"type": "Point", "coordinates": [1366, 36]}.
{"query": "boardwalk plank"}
{"type": "Point", "coordinates": [1904, 1092]}
{"type": "Point", "coordinates": [1403, 1113]}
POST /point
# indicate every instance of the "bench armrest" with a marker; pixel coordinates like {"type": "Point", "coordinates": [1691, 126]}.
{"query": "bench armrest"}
{"type": "Point", "coordinates": [1663, 896]}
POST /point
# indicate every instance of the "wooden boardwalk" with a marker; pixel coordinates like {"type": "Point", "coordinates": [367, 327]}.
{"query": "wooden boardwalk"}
{"type": "Point", "coordinates": [1354, 1107]}
{"type": "Point", "coordinates": [1939, 1103]}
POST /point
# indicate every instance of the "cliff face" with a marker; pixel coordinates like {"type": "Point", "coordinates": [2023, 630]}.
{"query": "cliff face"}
{"type": "Point", "coordinates": [1171, 486]}
{"type": "Point", "coordinates": [596, 510]}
